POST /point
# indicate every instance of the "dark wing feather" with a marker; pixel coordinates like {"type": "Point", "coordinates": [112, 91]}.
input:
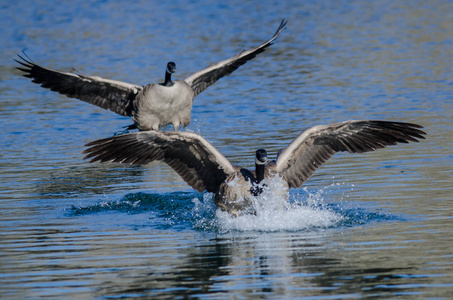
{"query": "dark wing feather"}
{"type": "Point", "coordinates": [189, 154]}
{"type": "Point", "coordinates": [313, 147]}
{"type": "Point", "coordinates": [109, 94]}
{"type": "Point", "coordinates": [201, 80]}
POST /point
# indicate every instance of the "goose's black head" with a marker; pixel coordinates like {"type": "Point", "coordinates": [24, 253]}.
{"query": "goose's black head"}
{"type": "Point", "coordinates": [261, 157]}
{"type": "Point", "coordinates": [171, 67]}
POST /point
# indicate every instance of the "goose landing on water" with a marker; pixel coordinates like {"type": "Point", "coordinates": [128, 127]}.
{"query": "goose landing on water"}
{"type": "Point", "coordinates": [206, 169]}
{"type": "Point", "coordinates": [151, 106]}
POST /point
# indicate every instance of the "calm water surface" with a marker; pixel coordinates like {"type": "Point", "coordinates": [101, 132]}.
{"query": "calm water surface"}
{"type": "Point", "coordinates": [372, 225]}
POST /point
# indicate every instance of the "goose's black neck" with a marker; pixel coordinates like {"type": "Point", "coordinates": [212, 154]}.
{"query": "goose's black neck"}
{"type": "Point", "coordinates": [259, 173]}
{"type": "Point", "coordinates": [260, 165]}
{"type": "Point", "coordinates": [256, 187]}
{"type": "Point", "coordinates": [168, 81]}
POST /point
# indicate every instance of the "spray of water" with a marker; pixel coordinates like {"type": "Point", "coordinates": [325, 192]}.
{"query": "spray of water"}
{"type": "Point", "coordinates": [274, 212]}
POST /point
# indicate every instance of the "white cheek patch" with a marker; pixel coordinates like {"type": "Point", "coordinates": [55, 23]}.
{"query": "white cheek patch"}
{"type": "Point", "coordinates": [258, 162]}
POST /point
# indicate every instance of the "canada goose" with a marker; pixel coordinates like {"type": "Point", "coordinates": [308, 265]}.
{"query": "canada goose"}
{"type": "Point", "coordinates": [206, 169]}
{"type": "Point", "coordinates": [151, 106]}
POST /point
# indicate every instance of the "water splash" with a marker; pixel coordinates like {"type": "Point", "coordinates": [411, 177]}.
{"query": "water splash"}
{"type": "Point", "coordinates": [275, 210]}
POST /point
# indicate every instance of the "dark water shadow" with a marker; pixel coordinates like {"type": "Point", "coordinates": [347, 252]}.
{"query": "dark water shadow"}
{"type": "Point", "coordinates": [165, 205]}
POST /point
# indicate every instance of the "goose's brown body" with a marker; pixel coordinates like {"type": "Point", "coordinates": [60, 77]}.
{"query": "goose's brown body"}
{"type": "Point", "coordinates": [175, 110]}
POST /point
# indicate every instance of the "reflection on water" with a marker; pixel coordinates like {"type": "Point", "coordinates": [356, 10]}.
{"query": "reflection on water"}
{"type": "Point", "coordinates": [371, 225]}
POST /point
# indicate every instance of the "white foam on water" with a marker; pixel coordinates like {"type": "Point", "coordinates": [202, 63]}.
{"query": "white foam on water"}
{"type": "Point", "coordinates": [273, 212]}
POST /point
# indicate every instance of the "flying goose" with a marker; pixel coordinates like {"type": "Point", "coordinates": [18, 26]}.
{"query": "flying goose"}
{"type": "Point", "coordinates": [151, 106]}
{"type": "Point", "coordinates": [204, 168]}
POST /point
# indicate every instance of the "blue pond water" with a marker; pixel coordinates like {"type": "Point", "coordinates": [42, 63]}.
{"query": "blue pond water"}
{"type": "Point", "coordinates": [371, 225]}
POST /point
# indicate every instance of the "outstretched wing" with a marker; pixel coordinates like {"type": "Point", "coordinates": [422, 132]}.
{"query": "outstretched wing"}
{"type": "Point", "coordinates": [108, 94]}
{"type": "Point", "coordinates": [200, 80]}
{"type": "Point", "coordinates": [314, 146]}
{"type": "Point", "coordinates": [189, 154]}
